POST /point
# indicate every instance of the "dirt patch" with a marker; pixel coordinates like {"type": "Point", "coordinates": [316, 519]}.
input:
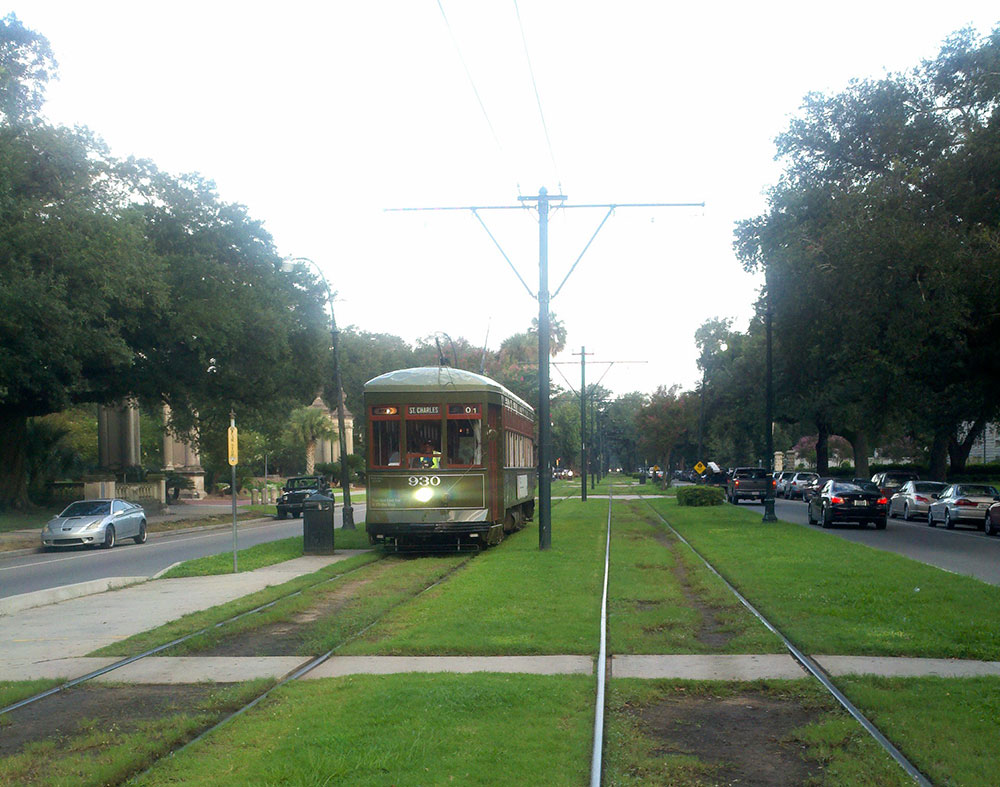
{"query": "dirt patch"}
{"type": "Point", "coordinates": [288, 637]}
{"type": "Point", "coordinates": [745, 739]}
{"type": "Point", "coordinates": [92, 707]}
{"type": "Point", "coordinates": [711, 632]}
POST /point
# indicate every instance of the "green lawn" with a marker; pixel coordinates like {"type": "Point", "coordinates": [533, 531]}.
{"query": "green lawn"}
{"type": "Point", "coordinates": [401, 730]}
{"type": "Point", "coordinates": [34, 520]}
{"type": "Point", "coordinates": [662, 599]}
{"type": "Point", "coordinates": [513, 599]}
{"type": "Point", "coordinates": [262, 555]}
{"type": "Point", "coordinates": [831, 596]}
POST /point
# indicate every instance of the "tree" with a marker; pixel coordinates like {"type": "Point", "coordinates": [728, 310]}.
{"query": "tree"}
{"type": "Point", "coordinates": [308, 425]}
{"type": "Point", "coordinates": [118, 281]}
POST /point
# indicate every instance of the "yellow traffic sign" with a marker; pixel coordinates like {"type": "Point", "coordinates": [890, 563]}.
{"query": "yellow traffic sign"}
{"type": "Point", "coordinates": [699, 468]}
{"type": "Point", "coordinates": [234, 452]}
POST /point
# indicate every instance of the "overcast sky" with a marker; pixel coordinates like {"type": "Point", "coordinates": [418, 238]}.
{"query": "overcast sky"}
{"type": "Point", "coordinates": [319, 116]}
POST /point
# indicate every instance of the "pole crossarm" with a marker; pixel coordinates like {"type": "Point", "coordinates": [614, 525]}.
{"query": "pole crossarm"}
{"type": "Point", "coordinates": [580, 257]}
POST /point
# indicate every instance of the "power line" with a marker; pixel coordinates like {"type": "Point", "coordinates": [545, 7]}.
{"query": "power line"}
{"type": "Point", "coordinates": [538, 98]}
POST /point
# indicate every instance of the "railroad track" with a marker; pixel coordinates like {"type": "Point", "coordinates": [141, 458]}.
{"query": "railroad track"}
{"type": "Point", "coordinates": [806, 661]}
{"type": "Point", "coordinates": [298, 673]}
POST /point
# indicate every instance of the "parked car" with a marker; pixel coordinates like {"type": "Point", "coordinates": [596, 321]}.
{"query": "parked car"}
{"type": "Point", "coordinates": [844, 501]}
{"type": "Point", "coordinates": [296, 490]}
{"type": "Point", "coordinates": [913, 499]}
{"type": "Point", "coordinates": [781, 483]}
{"type": "Point", "coordinates": [965, 504]}
{"type": "Point", "coordinates": [813, 488]}
{"type": "Point", "coordinates": [798, 483]}
{"type": "Point", "coordinates": [890, 481]}
{"type": "Point", "coordinates": [95, 523]}
{"type": "Point", "coordinates": [991, 522]}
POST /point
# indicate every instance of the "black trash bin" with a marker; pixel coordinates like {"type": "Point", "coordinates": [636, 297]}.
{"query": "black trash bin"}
{"type": "Point", "coordinates": [317, 524]}
{"type": "Point", "coordinates": [642, 477]}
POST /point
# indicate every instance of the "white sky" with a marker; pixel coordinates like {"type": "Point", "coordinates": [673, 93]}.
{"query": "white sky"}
{"type": "Point", "coordinates": [318, 116]}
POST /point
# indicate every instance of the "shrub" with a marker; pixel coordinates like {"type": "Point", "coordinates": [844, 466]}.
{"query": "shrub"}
{"type": "Point", "coordinates": [700, 496]}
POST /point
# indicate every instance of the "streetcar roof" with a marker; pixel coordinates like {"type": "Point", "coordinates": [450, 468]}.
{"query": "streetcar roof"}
{"type": "Point", "coordinates": [444, 377]}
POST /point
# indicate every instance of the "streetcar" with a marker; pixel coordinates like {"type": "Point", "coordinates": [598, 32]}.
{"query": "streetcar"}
{"type": "Point", "coordinates": [450, 457]}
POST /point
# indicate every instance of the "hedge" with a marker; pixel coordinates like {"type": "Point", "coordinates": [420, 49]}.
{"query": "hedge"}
{"type": "Point", "coordinates": [700, 496]}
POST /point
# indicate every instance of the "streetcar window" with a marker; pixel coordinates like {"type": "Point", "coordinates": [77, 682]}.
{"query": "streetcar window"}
{"type": "Point", "coordinates": [385, 443]}
{"type": "Point", "coordinates": [423, 443]}
{"type": "Point", "coordinates": [465, 443]}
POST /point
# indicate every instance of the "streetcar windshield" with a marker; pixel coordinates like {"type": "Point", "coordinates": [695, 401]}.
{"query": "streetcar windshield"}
{"type": "Point", "coordinates": [465, 446]}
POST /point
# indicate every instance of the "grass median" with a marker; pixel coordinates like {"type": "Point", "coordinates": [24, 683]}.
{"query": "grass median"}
{"type": "Point", "coordinates": [413, 729]}
{"type": "Point", "coordinates": [262, 555]}
{"type": "Point", "coordinates": [831, 596]}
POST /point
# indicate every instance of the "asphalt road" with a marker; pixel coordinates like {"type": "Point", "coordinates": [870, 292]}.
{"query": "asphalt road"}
{"type": "Point", "coordinates": [44, 570]}
{"type": "Point", "coordinates": [962, 550]}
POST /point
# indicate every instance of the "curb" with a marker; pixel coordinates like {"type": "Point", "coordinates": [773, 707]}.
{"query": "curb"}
{"type": "Point", "coordinates": [41, 598]}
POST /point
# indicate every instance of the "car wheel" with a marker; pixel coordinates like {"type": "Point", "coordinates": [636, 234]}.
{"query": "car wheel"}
{"type": "Point", "coordinates": [988, 527]}
{"type": "Point", "coordinates": [880, 524]}
{"type": "Point", "coordinates": [282, 513]}
{"type": "Point", "coordinates": [947, 520]}
{"type": "Point", "coordinates": [109, 537]}
{"type": "Point", "coordinates": [827, 516]}
{"type": "Point", "coordinates": [930, 518]}
{"type": "Point", "coordinates": [906, 512]}
{"type": "Point", "coordinates": [141, 538]}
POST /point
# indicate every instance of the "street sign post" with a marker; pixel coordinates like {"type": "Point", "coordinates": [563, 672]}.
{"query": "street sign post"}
{"type": "Point", "coordinates": [234, 458]}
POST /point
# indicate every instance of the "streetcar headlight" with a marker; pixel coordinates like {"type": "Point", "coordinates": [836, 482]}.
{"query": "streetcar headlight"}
{"type": "Point", "coordinates": [424, 494]}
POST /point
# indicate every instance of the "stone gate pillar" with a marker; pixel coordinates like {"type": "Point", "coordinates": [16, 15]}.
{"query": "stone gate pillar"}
{"type": "Point", "coordinates": [118, 436]}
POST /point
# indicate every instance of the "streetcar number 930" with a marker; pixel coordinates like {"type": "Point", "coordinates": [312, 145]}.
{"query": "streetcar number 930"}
{"type": "Point", "coordinates": [423, 480]}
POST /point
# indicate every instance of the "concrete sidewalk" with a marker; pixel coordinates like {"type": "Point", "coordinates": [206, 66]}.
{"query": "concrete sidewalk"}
{"type": "Point", "coordinates": [66, 630]}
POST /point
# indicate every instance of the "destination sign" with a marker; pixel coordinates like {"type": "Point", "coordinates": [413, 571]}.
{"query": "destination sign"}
{"type": "Point", "coordinates": [384, 411]}
{"type": "Point", "coordinates": [423, 409]}
{"type": "Point", "coordinates": [463, 409]}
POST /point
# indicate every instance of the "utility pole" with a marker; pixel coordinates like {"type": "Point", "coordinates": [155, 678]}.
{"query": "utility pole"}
{"type": "Point", "coordinates": [583, 423]}
{"type": "Point", "coordinates": [542, 201]}
{"type": "Point", "coordinates": [769, 515]}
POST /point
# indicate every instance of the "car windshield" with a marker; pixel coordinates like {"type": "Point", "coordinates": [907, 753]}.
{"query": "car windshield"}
{"type": "Point", "coordinates": [302, 483]}
{"type": "Point", "coordinates": [807, 477]}
{"type": "Point", "coordinates": [88, 508]}
{"type": "Point", "coordinates": [980, 490]}
{"type": "Point", "coordinates": [899, 478]}
{"type": "Point", "coordinates": [930, 487]}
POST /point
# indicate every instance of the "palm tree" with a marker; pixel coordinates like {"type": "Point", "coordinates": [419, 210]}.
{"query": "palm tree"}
{"type": "Point", "coordinates": [308, 425]}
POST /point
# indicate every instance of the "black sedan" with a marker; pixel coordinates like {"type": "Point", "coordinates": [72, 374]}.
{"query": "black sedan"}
{"type": "Point", "coordinates": [844, 501]}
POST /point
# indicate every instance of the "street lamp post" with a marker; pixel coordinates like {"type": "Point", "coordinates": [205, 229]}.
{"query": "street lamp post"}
{"type": "Point", "coordinates": [769, 515]}
{"type": "Point", "coordinates": [348, 509]}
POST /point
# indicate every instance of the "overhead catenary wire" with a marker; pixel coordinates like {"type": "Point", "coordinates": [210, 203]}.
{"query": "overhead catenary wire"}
{"type": "Point", "coordinates": [538, 98]}
{"type": "Point", "coordinates": [475, 90]}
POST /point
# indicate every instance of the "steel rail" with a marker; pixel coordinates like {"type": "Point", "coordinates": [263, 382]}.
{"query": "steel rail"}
{"type": "Point", "coordinates": [811, 666]}
{"type": "Point", "coordinates": [160, 648]}
{"type": "Point", "coordinates": [602, 661]}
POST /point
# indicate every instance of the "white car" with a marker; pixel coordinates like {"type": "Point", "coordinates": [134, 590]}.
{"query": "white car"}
{"type": "Point", "coordinates": [964, 504]}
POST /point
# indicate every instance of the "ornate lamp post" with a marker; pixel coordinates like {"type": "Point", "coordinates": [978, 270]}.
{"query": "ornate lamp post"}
{"type": "Point", "coordinates": [348, 509]}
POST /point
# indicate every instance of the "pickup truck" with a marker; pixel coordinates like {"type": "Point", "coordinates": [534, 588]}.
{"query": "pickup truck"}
{"type": "Point", "coordinates": [749, 483]}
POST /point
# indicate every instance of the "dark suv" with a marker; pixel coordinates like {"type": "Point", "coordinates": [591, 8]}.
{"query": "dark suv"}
{"type": "Point", "coordinates": [296, 490]}
{"type": "Point", "coordinates": [890, 482]}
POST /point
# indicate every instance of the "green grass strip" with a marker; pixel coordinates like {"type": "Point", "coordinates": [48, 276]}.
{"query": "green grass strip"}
{"type": "Point", "coordinates": [261, 555]}
{"type": "Point", "coordinates": [831, 596]}
{"type": "Point", "coordinates": [401, 730]}
{"type": "Point", "coordinates": [662, 599]}
{"type": "Point", "coordinates": [948, 727]}
{"type": "Point", "coordinates": [512, 599]}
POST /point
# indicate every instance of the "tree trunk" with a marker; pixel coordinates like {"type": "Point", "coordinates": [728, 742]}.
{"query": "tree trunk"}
{"type": "Point", "coordinates": [13, 468]}
{"type": "Point", "coordinates": [310, 457]}
{"type": "Point", "coordinates": [959, 452]}
{"type": "Point", "coordinates": [822, 449]}
{"type": "Point", "coordinates": [860, 446]}
{"type": "Point", "coordinates": [939, 455]}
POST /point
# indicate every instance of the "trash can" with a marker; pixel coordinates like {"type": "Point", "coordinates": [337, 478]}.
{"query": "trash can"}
{"type": "Point", "coordinates": [317, 524]}
{"type": "Point", "coordinates": [642, 477]}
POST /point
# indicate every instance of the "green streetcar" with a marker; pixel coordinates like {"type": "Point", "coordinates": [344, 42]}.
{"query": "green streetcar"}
{"type": "Point", "coordinates": [451, 460]}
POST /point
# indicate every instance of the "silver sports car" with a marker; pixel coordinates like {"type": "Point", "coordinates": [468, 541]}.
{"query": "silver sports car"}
{"type": "Point", "coordinates": [95, 523]}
